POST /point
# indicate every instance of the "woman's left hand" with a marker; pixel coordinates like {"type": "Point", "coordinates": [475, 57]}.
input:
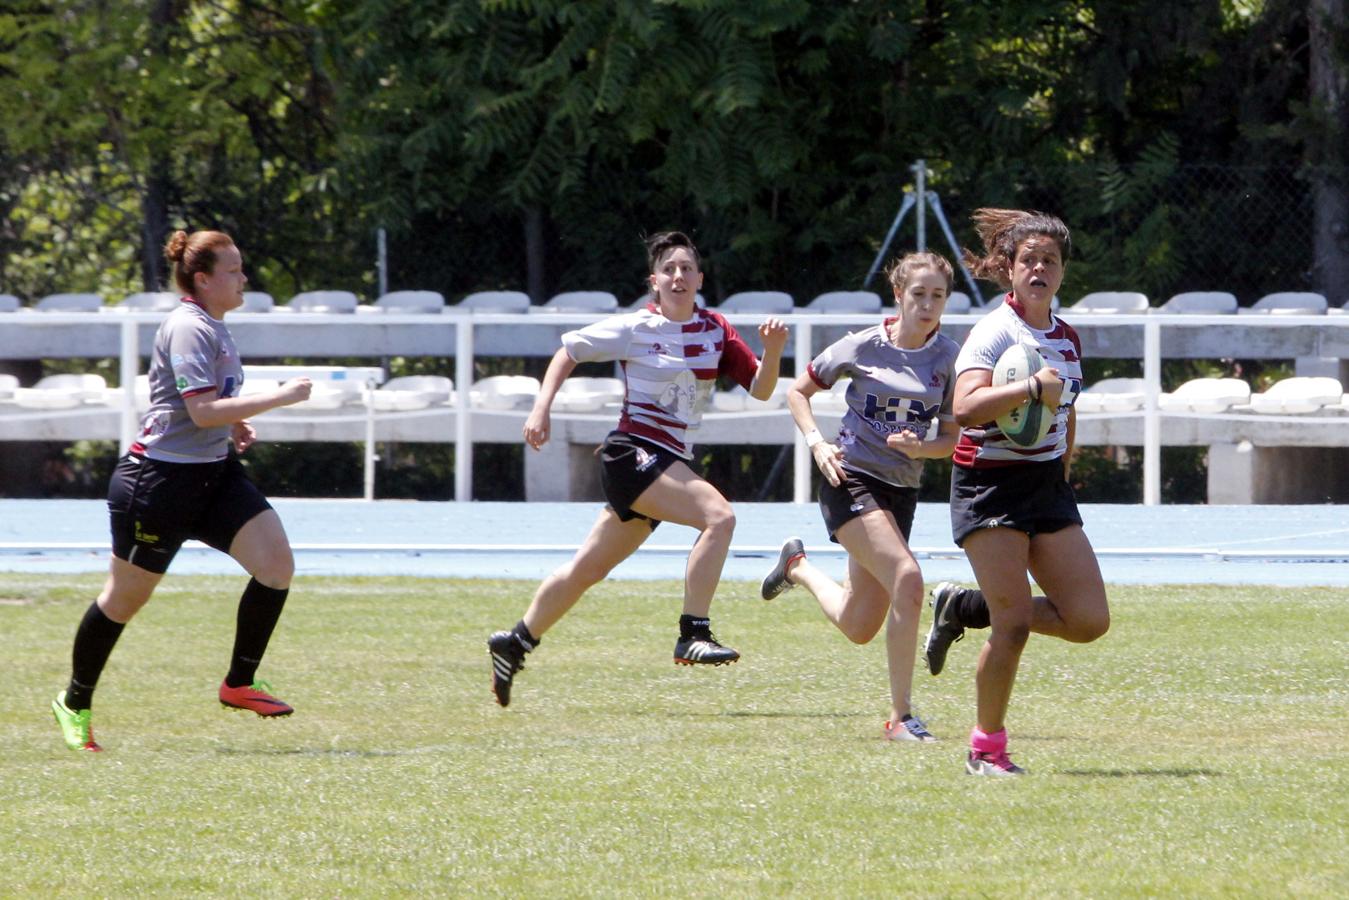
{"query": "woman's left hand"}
{"type": "Point", "coordinates": [243, 434]}
{"type": "Point", "coordinates": [773, 333]}
{"type": "Point", "coordinates": [908, 442]}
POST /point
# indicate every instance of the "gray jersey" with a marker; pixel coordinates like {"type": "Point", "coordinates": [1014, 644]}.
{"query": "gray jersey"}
{"type": "Point", "coordinates": [193, 354]}
{"type": "Point", "coordinates": [892, 389]}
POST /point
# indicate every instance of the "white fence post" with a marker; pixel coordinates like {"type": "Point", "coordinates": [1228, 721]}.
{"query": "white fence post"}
{"type": "Point", "coordinates": [463, 405]}
{"type": "Point", "coordinates": [801, 459]}
{"type": "Point", "coordinates": [130, 368]}
{"type": "Point", "coordinates": [1152, 432]}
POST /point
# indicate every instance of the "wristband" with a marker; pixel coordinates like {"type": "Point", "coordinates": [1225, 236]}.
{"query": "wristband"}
{"type": "Point", "coordinates": [1034, 389]}
{"type": "Point", "coordinates": [813, 437]}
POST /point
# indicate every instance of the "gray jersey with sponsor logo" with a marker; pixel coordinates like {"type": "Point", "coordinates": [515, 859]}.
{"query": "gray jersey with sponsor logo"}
{"type": "Point", "coordinates": [193, 354]}
{"type": "Point", "coordinates": [892, 389]}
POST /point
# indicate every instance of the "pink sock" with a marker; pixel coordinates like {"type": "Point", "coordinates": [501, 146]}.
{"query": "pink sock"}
{"type": "Point", "coordinates": [993, 744]}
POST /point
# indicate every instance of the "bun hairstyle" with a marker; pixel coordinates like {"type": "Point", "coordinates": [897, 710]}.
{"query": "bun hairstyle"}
{"type": "Point", "coordinates": [1002, 231]}
{"type": "Point", "coordinates": [902, 270]}
{"type": "Point", "coordinates": [663, 242]}
{"type": "Point", "coordinates": [190, 254]}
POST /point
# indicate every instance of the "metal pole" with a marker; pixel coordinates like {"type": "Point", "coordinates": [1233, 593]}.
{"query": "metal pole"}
{"type": "Point", "coordinates": [382, 261]}
{"type": "Point", "coordinates": [370, 457]}
{"type": "Point", "coordinates": [890, 236]}
{"type": "Point", "coordinates": [1152, 432]}
{"type": "Point", "coordinates": [802, 462]}
{"type": "Point", "coordinates": [935, 202]}
{"type": "Point", "coordinates": [130, 368]}
{"type": "Point", "coordinates": [463, 432]}
{"type": "Point", "coordinates": [920, 188]}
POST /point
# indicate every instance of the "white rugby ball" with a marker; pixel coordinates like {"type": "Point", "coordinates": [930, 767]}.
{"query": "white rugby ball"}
{"type": "Point", "coordinates": [1025, 425]}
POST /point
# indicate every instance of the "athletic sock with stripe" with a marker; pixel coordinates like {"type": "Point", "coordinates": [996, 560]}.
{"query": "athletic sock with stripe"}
{"type": "Point", "coordinates": [94, 640]}
{"type": "Point", "coordinates": [259, 609]}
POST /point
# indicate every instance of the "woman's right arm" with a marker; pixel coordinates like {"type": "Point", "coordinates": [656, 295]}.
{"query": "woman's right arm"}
{"type": "Point", "coordinates": [539, 423]}
{"type": "Point", "coordinates": [978, 402]}
{"type": "Point", "coordinates": [828, 457]}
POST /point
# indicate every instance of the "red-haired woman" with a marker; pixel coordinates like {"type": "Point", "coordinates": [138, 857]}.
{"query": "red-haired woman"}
{"type": "Point", "coordinates": [1012, 508]}
{"type": "Point", "coordinates": [182, 479]}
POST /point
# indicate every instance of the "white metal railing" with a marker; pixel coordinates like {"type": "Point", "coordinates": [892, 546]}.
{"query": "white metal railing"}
{"type": "Point", "coordinates": [803, 324]}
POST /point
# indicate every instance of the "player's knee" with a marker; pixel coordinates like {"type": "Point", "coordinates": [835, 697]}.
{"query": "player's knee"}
{"type": "Point", "coordinates": [721, 521]}
{"type": "Point", "coordinates": [1012, 635]}
{"type": "Point", "coordinates": [907, 595]}
{"type": "Point", "coordinates": [277, 570]}
{"type": "Point", "coordinates": [1086, 629]}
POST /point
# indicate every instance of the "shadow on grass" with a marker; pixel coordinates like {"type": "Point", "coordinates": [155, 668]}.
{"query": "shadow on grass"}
{"type": "Point", "coordinates": [330, 751]}
{"type": "Point", "coordinates": [744, 714]}
{"type": "Point", "coordinates": [1142, 773]}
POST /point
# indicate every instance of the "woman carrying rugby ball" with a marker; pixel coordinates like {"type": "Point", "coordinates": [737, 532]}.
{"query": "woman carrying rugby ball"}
{"type": "Point", "coordinates": [1012, 508]}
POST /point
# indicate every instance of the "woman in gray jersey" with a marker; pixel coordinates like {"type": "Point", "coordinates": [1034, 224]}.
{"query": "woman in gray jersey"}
{"type": "Point", "coordinates": [182, 479]}
{"type": "Point", "coordinates": [902, 374]}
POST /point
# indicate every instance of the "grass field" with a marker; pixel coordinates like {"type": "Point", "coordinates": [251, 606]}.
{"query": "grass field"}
{"type": "Point", "coordinates": [1200, 749]}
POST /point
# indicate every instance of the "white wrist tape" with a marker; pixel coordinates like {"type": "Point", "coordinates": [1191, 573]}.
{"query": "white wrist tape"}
{"type": "Point", "coordinates": [813, 437]}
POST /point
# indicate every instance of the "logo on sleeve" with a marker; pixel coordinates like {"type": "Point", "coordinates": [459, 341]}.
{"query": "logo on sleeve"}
{"type": "Point", "coordinates": [181, 383]}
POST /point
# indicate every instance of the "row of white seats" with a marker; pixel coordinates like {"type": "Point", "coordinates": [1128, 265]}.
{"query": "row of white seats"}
{"type": "Point", "coordinates": [1298, 395]}
{"type": "Point", "coordinates": [1290, 396]}
{"type": "Point", "coordinates": [406, 393]}
{"type": "Point", "coordinates": [765, 302]}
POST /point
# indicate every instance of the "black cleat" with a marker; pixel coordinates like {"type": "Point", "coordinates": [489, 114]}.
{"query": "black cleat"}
{"type": "Point", "coordinates": [775, 582]}
{"type": "Point", "coordinates": [946, 630]}
{"type": "Point", "coordinates": [508, 657]}
{"type": "Point", "coordinates": [703, 649]}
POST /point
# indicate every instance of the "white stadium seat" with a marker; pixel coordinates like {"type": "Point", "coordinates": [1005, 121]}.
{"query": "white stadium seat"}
{"type": "Point", "coordinates": [149, 301]}
{"type": "Point", "coordinates": [846, 302]}
{"type": "Point", "coordinates": [1289, 303]}
{"type": "Point", "coordinates": [1209, 303]}
{"type": "Point", "coordinates": [505, 392]}
{"type": "Point", "coordinates": [257, 302]}
{"type": "Point", "coordinates": [411, 302]}
{"type": "Point", "coordinates": [584, 394]}
{"type": "Point", "coordinates": [580, 301]}
{"type": "Point", "coordinates": [65, 391]}
{"type": "Point", "coordinates": [1299, 395]}
{"type": "Point", "coordinates": [1206, 395]}
{"type": "Point", "coordinates": [1110, 302]}
{"type": "Point", "coordinates": [774, 303]}
{"type": "Point", "coordinates": [323, 302]}
{"type": "Point", "coordinates": [9, 303]}
{"type": "Point", "coordinates": [493, 302]}
{"type": "Point", "coordinates": [69, 303]}
{"type": "Point", "coordinates": [1112, 395]}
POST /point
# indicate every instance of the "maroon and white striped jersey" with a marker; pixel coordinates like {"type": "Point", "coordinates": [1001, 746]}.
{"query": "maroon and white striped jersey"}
{"type": "Point", "coordinates": [985, 445]}
{"type": "Point", "coordinates": [669, 368]}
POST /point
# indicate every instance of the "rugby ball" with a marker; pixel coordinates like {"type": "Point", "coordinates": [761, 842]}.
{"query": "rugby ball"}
{"type": "Point", "coordinates": [1025, 425]}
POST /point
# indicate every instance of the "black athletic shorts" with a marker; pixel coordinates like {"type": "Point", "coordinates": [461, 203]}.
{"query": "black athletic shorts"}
{"type": "Point", "coordinates": [1033, 497]}
{"type": "Point", "coordinates": [860, 493]}
{"type": "Point", "coordinates": [154, 506]}
{"type": "Point", "coordinates": [628, 466]}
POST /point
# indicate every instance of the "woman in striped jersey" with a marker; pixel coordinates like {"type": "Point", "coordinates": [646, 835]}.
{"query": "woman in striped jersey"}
{"type": "Point", "coordinates": [1012, 508]}
{"type": "Point", "coordinates": [901, 377]}
{"type": "Point", "coordinates": [671, 352]}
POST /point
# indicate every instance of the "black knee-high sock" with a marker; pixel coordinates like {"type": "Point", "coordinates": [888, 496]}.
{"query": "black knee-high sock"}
{"type": "Point", "coordinates": [973, 611]}
{"type": "Point", "coordinates": [94, 640]}
{"type": "Point", "coordinates": [259, 608]}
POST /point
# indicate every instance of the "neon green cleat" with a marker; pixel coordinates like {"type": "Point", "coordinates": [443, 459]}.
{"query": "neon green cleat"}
{"type": "Point", "coordinates": [76, 727]}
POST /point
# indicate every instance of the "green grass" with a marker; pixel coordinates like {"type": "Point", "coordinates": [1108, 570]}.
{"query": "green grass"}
{"type": "Point", "coordinates": [1200, 749]}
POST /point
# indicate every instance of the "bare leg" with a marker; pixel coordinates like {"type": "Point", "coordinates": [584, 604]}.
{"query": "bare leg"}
{"type": "Point", "coordinates": [263, 549]}
{"type": "Point", "coordinates": [680, 496]}
{"type": "Point", "coordinates": [1065, 567]}
{"type": "Point", "coordinates": [609, 543]}
{"type": "Point", "coordinates": [999, 558]}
